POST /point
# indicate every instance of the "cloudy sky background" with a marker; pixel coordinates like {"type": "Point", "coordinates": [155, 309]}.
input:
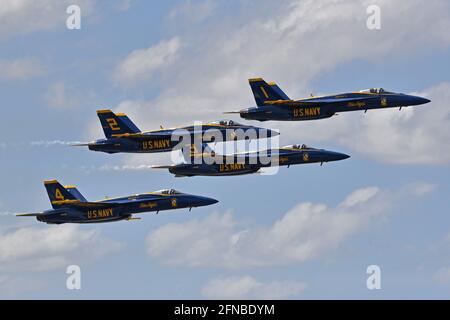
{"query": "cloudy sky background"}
{"type": "Point", "coordinates": [307, 232]}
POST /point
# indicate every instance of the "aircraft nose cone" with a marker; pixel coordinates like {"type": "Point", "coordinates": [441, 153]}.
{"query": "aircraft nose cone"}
{"type": "Point", "coordinates": [208, 201]}
{"type": "Point", "coordinates": [336, 156]}
{"type": "Point", "coordinates": [424, 101]}
{"type": "Point", "coordinates": [212, 201]}
{"type": "Point", "coordinates": [420, 100]}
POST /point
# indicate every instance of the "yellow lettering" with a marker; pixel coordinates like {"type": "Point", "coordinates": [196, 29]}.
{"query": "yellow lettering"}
{"type": "Point", "coordinates": [156, 144]}
{"type": "Point", "coordinates": [358, 104]}
{"type": "Point", "coordinates": [95, 214]}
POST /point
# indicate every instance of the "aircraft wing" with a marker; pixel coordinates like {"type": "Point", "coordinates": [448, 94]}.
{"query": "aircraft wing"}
{"type": "Point", "coordinates": [145, 135]}
{"type": "Point", "coordinates": [84, 204]}
{"type": "Point", "coordinates": [317, 101]}
{"type": "Point", "coordinates": [131, 135]}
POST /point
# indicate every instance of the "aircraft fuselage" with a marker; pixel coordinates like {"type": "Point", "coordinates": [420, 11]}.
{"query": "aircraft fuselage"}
{"type": "Point", "coordinates": [248, 163]}
{"type": "Point", "coordinates": [315, 108]}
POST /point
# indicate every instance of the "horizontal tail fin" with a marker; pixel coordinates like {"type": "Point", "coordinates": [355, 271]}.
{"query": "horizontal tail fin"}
{"type": "Point", "coordinates": [127, 121]}
{"type": "Point", "coordinates": [278, 90]}
{"type": "Point", "coordinates": [116, 124]}
{"type": "Point", "coordinates": [74, 192]}
{"type": "Point", "coordinates": [60, 196]}
{"type": "Point", "coordinates": [262, 91]}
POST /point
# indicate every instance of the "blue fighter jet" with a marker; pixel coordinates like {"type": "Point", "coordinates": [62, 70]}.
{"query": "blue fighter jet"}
{"type": "Point", "coordinates": [273, 104]}
{"type": "Point", "coordinates": [208, 163]}
{"type": "Point", "coordinates": [122, 135]}
{"type": "Point", "coordinates": [69, 206]}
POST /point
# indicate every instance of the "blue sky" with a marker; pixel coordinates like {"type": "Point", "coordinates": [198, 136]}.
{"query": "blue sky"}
{"type": "Point", "coordinates": [306, 232]}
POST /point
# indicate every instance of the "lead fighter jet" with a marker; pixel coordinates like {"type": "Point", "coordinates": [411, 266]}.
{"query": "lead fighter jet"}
{"type": "Point", "coordinates": [273, 104]}
{"type": "Point", "coordinates": [249, 162]}
{"type": "Point", "coordinates": [69, 206]}
{"type": "Point", "coordinates": [122, 135]}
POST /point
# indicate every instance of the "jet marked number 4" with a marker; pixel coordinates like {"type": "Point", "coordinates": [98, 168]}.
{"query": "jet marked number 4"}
{"type": "Point", "coordinates": [58, 195]}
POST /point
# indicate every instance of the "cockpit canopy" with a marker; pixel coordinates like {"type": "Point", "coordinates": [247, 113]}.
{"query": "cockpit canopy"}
{"type": "Point", "coordinates": [298, 147]}
{"type": "Point", "coordinates": [375, 90]}
{"type": "Point", "coordinates": [169, 191]}
{"type": "Point", "coordinates": [227, 123]}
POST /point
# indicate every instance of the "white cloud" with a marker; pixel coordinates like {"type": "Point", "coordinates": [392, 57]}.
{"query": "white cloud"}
{"type": "Point", "coordinates": [411, 136]}
{"type": "Point", "coordinates": [141, 64]}
{"type": "Point", "coordinates": [62, 96]}
{"type": "Point", "coordinates": [193, 10]}
{"type": "Point", "coordinates": [303, 233]}
{"type": "Point", "coordinates": [20, 69]}
{"type": "Point", "coordinates": [57, 96]}
{"type": "Point", "coordinates": [26, 16]}
{"type": "Point", "coordinates": [41, 249]}
{"type": "Point", "coordinates": [360, 196]}
{"type": "Point", "coordinates": [421, 189]}
{"type": "Point", "coordinates": [247, 287]}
